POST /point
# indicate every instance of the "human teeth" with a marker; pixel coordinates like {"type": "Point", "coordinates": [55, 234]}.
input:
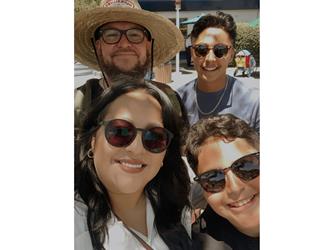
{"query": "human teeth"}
{"type": "Point", "coordinates": [242, 202]}
{"type": "Point", "coordinates": [210, 69]}
{"type": "Point", "coordinates": [130, 165]}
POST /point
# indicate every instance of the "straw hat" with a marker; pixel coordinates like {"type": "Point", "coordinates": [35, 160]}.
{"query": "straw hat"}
{"type": "Point", "coordinates": [168, 40]}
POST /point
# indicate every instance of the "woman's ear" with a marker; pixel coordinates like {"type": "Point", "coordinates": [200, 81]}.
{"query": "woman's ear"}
{"type": "Point", "coordinates": [92, 143]}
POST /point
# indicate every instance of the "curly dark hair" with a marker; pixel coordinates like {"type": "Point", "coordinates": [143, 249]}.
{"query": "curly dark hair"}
{"type": "Point", "coordinates": [168, 191]}
{"type": "Point", "coordinates": [226, 125]}
{"type": "Point", "coordinates": [220, 20]}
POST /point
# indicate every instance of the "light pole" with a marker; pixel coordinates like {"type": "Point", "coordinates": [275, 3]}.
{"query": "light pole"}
{"type": "Point", "coordinates": [178, 4]}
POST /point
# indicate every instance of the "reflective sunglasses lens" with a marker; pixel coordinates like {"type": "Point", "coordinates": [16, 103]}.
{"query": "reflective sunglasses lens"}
{"type": "Point", "coordinates": [120, 133]}
{"type": "Point", "coordinates": [213, 181]}
{"type": "Point", "coordinates": [156, 140]}
{"type": "Point", "coordinates": [135, 35]}
{"type": "Point", "coordinates": [247, 168]}
{"type": "Point", "coordinates": [111, 35]}
{"type": "Point", "coordinates": [201, 50]}
{"type": "Point", "coordinates": [220, 50]}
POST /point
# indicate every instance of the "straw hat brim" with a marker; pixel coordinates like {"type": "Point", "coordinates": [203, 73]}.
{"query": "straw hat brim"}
{"type": "Point", "coordinates": [168, 40]}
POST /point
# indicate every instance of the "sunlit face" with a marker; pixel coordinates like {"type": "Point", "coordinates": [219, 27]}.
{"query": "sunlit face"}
{"type": "Point", "coordinates": [238, 202]}
{"type": "Point", "coordinates": [124, 55]}
{"type": "Point", "coordinates": [128, 169]}
{"type": "Point", "coordinates": [211, 68]}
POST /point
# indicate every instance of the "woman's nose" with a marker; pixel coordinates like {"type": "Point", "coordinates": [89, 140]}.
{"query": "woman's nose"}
{"type": "Point", "coordinates": [136, 146]}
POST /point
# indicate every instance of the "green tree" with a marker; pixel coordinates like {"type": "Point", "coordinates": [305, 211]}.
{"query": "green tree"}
{"type": "Point", "coordinates": [248, 38]}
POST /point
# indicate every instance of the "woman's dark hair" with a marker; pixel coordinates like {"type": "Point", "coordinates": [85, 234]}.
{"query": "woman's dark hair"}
{"type": "Point", "coordinates": [168, 191]}
{"type": "Point", "coordinates": [220, 20]}
{"type": "Point", "coordinates": [227, 125]}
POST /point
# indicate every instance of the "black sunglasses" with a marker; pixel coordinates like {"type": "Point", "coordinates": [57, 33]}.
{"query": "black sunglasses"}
{"type": "Point", "coordinates": [134, 35]}
{"type": "Point", "coordinates": [220, 50]}
{"type": "Point", "coordinates": [121, 133]}
{"type": "Point", "coordinates": [245, 168]}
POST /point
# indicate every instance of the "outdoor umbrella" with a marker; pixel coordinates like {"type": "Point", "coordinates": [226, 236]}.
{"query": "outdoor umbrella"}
{"type": "Point", "coordinates": [254, 23]}
{"type": "Point", "coordinates": [193, 20]}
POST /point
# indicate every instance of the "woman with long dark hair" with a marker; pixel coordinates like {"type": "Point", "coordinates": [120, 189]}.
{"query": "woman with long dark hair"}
{"type": "Point", "coordinates": [131, 184]}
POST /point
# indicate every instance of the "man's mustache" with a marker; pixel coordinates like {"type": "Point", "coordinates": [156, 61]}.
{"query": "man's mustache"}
{"type": "Point", "coordinates": [120, 51]}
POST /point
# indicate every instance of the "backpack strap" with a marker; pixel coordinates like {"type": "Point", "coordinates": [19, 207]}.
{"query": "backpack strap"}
{"type": "Point", "coordinates": [84, 97]}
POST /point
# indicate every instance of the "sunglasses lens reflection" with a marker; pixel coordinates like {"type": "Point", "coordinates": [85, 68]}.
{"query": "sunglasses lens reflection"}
{"type": "Point", "coordinates": [120, 133]}
{"type": "Point", "coordinates": [201, 50]}
{"type": "Point", "coordinates": [220, 50]}
{"type": "Point", "coordinates": [246, 168]}
{"type": "Point", "coordinates": [155, 140]}
{"type": "Point", "coordinates": [213, 181]}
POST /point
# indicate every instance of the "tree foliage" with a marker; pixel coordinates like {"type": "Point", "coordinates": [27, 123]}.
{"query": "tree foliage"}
{"type": "Point", "coordinates": [248, 38]}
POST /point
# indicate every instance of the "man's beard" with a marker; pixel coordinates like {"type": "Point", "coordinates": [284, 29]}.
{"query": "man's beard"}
{"type": "Point", "coordinates": [119, 76]}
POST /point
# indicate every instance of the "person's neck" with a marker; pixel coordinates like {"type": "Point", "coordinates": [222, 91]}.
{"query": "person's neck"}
{"type": "Point", "coordinates": [131, 209]}
{"type": "Point", "coordinates": [121, 202]}
{"type": "Point", "coordinates": [251, 232]}
{"type": "Point", "coordinates": [212, 86]}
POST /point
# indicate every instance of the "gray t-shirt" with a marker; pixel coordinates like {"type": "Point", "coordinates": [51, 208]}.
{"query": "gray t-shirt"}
{"type": "Point", "coordinates": [239, 99]}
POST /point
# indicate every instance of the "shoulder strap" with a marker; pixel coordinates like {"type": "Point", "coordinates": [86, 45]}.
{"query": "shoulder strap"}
{"type": "Point", "coordinates": [96, 89]}
{"type": "Point", "coordinates": [143, 243]}
{"type": "Point", "coordinates": [85, 95]}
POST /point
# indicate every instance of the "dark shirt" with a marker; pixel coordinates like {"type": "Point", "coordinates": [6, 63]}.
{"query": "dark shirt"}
{"type": "Point", "coordinates": [222, 230]}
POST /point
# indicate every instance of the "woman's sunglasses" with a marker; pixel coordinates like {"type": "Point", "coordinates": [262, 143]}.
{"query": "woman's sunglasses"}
{"type": "Point", "coordinates": [121, 133]}
{"type": "Point", "coordinates": [220, 50]}
{"type": "Point", "coordinates": [245, 168]}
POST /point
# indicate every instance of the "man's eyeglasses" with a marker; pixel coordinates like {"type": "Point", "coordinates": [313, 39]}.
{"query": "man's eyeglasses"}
{"type": "Point", "coordinates": [245, 168]}
{"type": "Point", "coordinates": [121, 133]}
{"type": "Point", "coordinates": [135, 35]}
{"type": "Point", "coordinates": [220, 50]}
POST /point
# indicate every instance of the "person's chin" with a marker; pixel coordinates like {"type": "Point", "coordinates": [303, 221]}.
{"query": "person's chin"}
{"type": "Point", "coordinates": [126, 67]}
{"type": "Point", "coordinates": [209, 78]}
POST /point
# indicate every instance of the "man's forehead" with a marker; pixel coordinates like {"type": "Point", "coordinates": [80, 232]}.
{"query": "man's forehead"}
{"type": "Point", "coordinates": [121, 25]}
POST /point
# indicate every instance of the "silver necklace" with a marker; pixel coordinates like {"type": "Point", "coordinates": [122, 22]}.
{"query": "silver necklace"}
{"type": "Point", "coordinates": [218, 102]}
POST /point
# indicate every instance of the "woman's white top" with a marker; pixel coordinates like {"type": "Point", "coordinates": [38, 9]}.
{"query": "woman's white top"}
{"type": "Point", "coordinates": [119, 237]}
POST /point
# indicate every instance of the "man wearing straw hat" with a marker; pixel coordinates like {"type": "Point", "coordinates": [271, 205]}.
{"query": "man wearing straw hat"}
{"type": "Point", "coordinates": [123, 41]}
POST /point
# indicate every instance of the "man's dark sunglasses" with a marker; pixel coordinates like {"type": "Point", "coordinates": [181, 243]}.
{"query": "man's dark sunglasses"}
{"type": "Point", "coordinates": [134, 35]}
{"type": "Point", "coordinates": [245, 168]}
{"type": "Point", "coordinates": [121, 133]}
{"type": "Point", "coordinates": [220, 50]}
